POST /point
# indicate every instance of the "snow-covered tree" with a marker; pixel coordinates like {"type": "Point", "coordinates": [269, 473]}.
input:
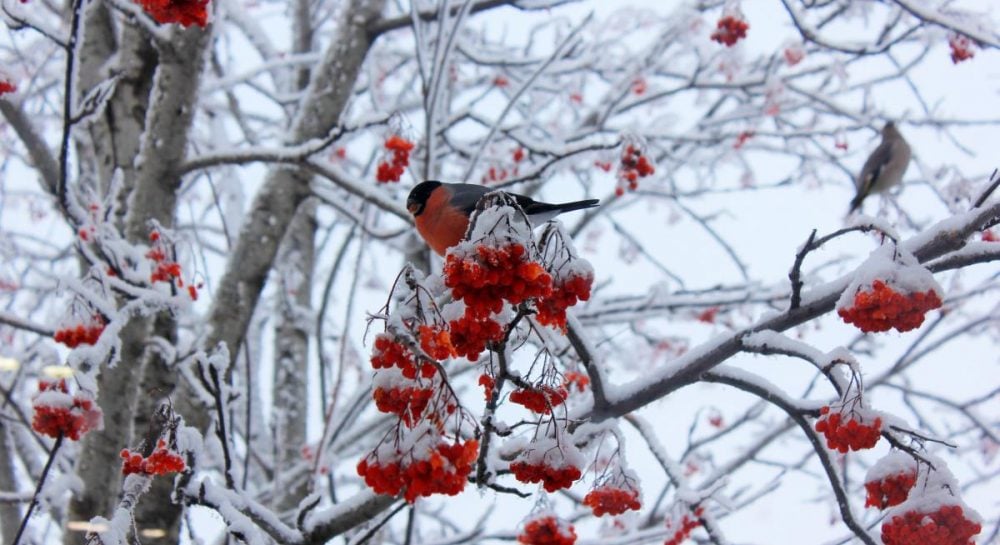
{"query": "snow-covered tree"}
{"type": "Point", "coordinates": [219, 324]}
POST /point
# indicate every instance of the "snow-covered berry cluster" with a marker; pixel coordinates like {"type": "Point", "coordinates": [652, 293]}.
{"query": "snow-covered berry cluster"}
{"type": "Point", "coordinates": [490, 275]}
{"type": "Point", "coordinates": [484, 278]}
{"type": "Point", "coordinates": [182, 12]}
{"type": "Point", "coordinates": [961, 48]}
{"type": "Point", "coordinates": [546, 529]}
{"type": "Point", "coordinates": [56, 413]}
{"type": "Point", "coordinates": [540, 399]}
{"type": "Point", "coordinates": [633, 164]}
{"type": "Point", "coordinates": [160, 462]}
{"type": "Point", "coordinates": [75, 335]}
{"type": "Point", "coordinates": [497, 279]}
{"type": "Point", "coordinates": [891, 290]}
{"type": "Point", "coordinates": [566, 292]}
{"type": "Point", "coordinates": [730, 29]}
{"type": "Point", "coordinates": [682, 528]}
{"type": "Point", "coordinates": [554, 464]}
{"type": "Point", "coordinates": [424, 470]}
{"type": "Point", "coordinates": [572, 277]}
{"type": "Point", "coordinates": [609, 499]}
{"type": "Point", "coordinates": [889, 481]}
{"type": "Point", "coordinates": [889, 490]}
{"type": "Point", "coordinates": [946, 525]}
{"type": "Point", "coordinates": [164, 265]}
{"type": "Point", "coordinates": [551, 477]}
{"type": "Point", "coordinates": [390, 352]}
{"type": "Point", "coordinates": [882, 308]}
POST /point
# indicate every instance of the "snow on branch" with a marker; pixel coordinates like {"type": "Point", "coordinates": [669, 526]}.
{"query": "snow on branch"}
{"type": "Point", "coordinates": [947, 236]}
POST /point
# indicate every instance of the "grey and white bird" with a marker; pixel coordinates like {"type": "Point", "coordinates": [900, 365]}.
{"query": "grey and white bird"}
{"type": "Point", "coordinates": [885, 166]}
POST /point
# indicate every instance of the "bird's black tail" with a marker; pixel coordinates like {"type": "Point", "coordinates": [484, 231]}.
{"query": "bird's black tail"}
{"type": "Point", "coordinates": [541, 208]}
{"type": "Point", "coordinates": [856, 203]}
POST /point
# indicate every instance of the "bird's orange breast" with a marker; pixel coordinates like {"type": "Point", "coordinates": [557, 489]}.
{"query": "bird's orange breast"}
{"type": "Point", "coordinates": [441, 224]}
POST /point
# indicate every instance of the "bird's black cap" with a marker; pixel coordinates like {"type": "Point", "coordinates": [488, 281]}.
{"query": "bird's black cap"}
{"type": "Point", "coordinates": [417, 199]}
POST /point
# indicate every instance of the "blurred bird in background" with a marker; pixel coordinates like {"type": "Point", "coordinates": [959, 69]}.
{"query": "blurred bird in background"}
{"type": "Point", "coordinates": [441, 211]}
{"type": "Point", "coordinates": [885, 166]}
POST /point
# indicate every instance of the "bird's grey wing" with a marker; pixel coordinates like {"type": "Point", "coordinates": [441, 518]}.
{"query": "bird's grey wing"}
{"type": "Point", "coordinates": [465, 196]}
{"type": "Point", "coordinates": [873, 167]}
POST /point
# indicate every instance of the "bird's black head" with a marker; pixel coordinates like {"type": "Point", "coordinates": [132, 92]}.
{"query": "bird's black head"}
{"type": "Point", "coordinates": [417, 199]}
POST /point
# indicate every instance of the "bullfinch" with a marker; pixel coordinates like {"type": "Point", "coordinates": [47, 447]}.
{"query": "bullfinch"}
{"type": "Point", "coordinates": [885, 166]}
{"type": "Point", "coordinates": [441, 211]}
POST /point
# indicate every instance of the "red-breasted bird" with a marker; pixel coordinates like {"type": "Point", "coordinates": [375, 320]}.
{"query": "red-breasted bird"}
{"type": "Point", "coordinates": [441, 210]}
{"type": "Point", "coordinates": [885, 166]}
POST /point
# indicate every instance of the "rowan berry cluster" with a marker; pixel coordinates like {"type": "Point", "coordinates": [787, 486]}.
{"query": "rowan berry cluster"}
{"type": "Point", "coordinates": [443, 471]}
{"type": "Point", "coordinates": [961, 48]}
{"type": "Point", "coordinates": [491, 275]}
{"type": "Point", "coordinates": [7, 86]}
{"type": "Point", "coordinates": [436, 341]}
{"type": "Point", "coordinates": [81, 333]}
{"type": "Point", "coordinates": [182, 12]}
{"type": "Point", "coordinates": [633, 165]}
{"type": "Point", "coordinates": [742, 139]}
{"type": "Point", "coordinates": [484, 279]}
{"type": "Point", "coordinates": [161, 462]}
{"type": "Point", "coordinates": [883, 308]}
{"type": "Point", "coordinates": [547, 530]}
{"type": "Point", "coordinates": [612, 500]}
{"type": "Point", "coordinates": [890, 490]}
{"type": "Point", "coordinates": [566, 292]}
{"type": "Point", "coordinates": [889, 480]}
{"type": "Point", "coordinates": [540, 400]}
{"type": "Point", "coordinates": [390, 168]}
{"type": "Point", "coordinates": [853, 434]}
{"type": "Point", "coordinates": [729, 30]}
{"type": "Point", "coordinates": [579, 381]}
{"type": "Point", "coordinates": [497, 174]}
{"type": "Point", "coordinates": [390, 353]}
{"type": "Point", "coordinates": [552, 478]}
{"type": "Point", "coordinates": [488, 383]}
{"type": "Point", "coordinates": [639, 86]}
{"type": "Point", "coordinates": [948, 525]}
{"type": "Point", "coordinates": [407, 403]}
{"type": "Point", "coordinates": [56, 413]}
{"type": "Point", "coordinates": [686, 525]}
{"type": "Point", "coordinates": [406, 394]}
{"type": "Point", "coordinates": [794, 55]}
{"type": "Point", "coordinates": [165, 269]}
{"type": "Point", "coordinates": [470, 335]}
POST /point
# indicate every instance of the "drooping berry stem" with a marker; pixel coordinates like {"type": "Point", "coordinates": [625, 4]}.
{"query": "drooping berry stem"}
{"type": "Point", "coordinates": [38, 489]}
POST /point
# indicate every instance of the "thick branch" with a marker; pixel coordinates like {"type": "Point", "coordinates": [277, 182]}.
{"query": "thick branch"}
{"type": "Point", "coordinates": [947, 236]}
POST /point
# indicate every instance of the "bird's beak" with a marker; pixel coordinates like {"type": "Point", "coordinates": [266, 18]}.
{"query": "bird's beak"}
{"type": "Point", "coordinates": [413, 207]}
